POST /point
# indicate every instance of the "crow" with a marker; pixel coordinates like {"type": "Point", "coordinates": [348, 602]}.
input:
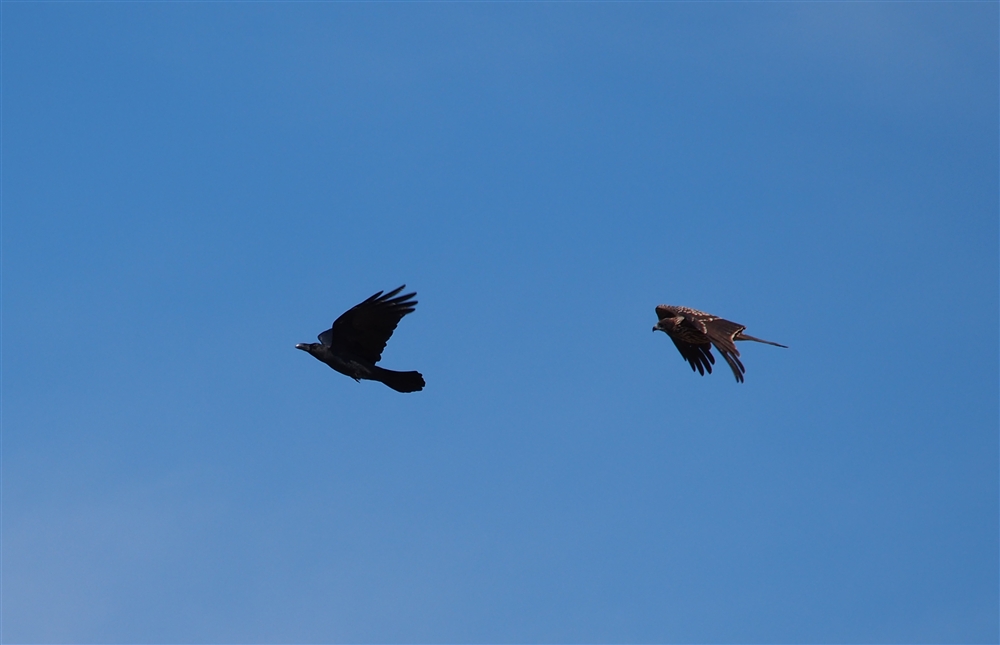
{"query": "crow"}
{"type": "Point", "coordinates": [694, 332]}
{"type": "Point", "coordinates": [356, 341]}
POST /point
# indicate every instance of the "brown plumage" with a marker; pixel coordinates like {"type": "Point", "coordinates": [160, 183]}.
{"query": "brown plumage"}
{"type": "Point", "coordinates": [694, 332]}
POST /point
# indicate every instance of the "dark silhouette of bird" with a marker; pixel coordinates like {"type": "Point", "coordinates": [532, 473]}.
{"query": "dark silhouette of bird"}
{"type": "Point", "coordinates": [356, 341]}
{"type": "Point", "coordinates": [694, 332]}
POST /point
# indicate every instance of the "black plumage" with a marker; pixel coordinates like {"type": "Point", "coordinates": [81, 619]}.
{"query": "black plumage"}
{"type": "Point", "coordinates": [354, 344]}
{"type": "Point", "coordinates": [694, 332]}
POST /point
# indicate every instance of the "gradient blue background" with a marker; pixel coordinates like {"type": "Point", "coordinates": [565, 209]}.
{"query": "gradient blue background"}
{"type": "Point", "coordinates": [191, 189]}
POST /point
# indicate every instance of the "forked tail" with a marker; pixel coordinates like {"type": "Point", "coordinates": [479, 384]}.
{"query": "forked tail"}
{"type": "Point", "coordinates": [400, 381]}
{"type": "Point", "coordinates": [742, 336]}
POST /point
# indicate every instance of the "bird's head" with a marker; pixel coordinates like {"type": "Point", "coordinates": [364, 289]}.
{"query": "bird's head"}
{"type": "Point", "coordinates": [667, 319]}
{"type": "Point", "coordinates": [667, 324]}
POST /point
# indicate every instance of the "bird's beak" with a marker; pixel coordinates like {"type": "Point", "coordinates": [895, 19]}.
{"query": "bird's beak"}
{"type": "Point", "coordinates": [654, 327]}
{"type": "Point", "coordinates": [302, 346]}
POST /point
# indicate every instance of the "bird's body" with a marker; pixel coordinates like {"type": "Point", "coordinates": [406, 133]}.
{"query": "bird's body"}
{"type": "Point", "coordinates": [354, 344]}
{"type": "Point", "coordinates": [695, 332]}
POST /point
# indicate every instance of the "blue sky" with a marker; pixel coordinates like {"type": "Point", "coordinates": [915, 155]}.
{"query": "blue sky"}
{"type": "Point", "coordinates": [190, 189]}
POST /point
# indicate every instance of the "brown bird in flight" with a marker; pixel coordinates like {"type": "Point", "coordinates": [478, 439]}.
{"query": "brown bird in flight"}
{"type": "Point", "coordinates": [357, 338]}
{"type": "Point", "coordinates": [694, 332]}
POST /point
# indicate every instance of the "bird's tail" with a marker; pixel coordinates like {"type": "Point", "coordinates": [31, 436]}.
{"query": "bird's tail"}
{"type": "Point", "coordinates": [742, 336]}
{"type": "Point", "coordinates": [400, 381]}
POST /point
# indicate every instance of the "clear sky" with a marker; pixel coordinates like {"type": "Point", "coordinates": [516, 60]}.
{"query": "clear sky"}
{"type": "Point", "coordinates": [190, 189]}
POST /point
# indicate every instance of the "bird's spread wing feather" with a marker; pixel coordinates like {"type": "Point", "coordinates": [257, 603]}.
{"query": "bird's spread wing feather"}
{"type": "Point", "coordinates": [722, 333]}
{"type": "Point", "coordinates": [699, 356]}
{"type": "Point", "coordinates": [363, 330]}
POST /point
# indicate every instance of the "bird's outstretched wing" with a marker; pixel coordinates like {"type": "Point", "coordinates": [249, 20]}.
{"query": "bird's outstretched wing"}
{"type": "Point", "coordinates": [722, 334]}
{"type": "Point", "coordinates": [699, 356]}
{"type": "Point", "coordinates": [690, 337]}
{"type": "Point", "coordinates": [363, 330]}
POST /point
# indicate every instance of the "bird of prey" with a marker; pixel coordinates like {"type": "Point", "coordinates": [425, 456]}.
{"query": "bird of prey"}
{"type": "Point", "coordinates": [694, 332]}
{"type": "Point", "coordinates": [356, 341]}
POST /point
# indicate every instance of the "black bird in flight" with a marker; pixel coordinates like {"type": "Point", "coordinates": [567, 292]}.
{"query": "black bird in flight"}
{"type": "Point", "coordinates": [694, 332]}
{"type": "Point", "coordinates": [356, 341]}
